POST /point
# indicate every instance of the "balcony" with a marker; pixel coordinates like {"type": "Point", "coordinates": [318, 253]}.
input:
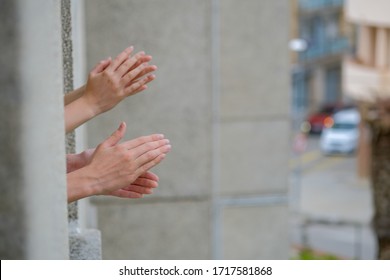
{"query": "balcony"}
{"type": "Point", "coordinates": [325, 49]}
{"type": "Point", "coordinates": [314, 5]}
{"type": "Point", "coordinates": [373, 12]}
{"type": "Point", "coordinates": [365, 83]}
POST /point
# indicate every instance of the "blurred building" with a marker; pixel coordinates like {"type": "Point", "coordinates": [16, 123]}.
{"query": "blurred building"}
{"type": "Point", "coordinates": [366, 75]}
{"type": "Point", "coordinates": [316, 72]}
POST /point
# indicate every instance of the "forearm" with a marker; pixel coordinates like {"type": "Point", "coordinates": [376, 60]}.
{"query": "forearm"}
{"type": "Point", "coordinates": [77, 113]}
{"type": "Point", "coordinates": [73, 95]}
{"type": "Point", "coordinates": [80, 185]}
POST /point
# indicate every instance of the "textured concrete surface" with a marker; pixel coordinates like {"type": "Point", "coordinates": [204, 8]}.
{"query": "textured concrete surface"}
{"type": "Point", "coordinates": [262, 232]}
{"type": "Point", "coordinates": [254, 157]}
{"type": "Point", "coordinates": [254, 59]}
{"type": "Point", "coordinates": [155, 230]}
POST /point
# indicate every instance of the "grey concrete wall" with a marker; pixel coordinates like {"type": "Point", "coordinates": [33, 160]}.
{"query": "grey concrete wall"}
{"type": "Point", "coordinates": [221, 97]}
{"type": "Point", "coordinates": [254, 129]}
{"type": "Point", "coordinates": [33, 209]}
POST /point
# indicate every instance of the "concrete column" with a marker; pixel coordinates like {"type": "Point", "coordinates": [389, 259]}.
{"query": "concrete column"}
{"type": "Point", "coordinates": [254, 129]}
{"type": "Point", "coordinates": [32, 166]}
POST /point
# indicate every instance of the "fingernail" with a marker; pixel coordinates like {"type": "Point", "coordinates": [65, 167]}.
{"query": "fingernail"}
{"type": "Point", "coordinates": [161, 136]}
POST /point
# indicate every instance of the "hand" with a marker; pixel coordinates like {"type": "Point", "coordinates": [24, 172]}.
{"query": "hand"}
{"type": "Point", "coordinates": [113, 80]}
{"type": "Point", "coordinates": [144, 184]}
{"type": "Point", "coordinates": [117, 168]}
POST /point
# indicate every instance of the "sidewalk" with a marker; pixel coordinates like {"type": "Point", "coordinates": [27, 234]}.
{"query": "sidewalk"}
{"type": "Point", "coordinates": [331, 210]}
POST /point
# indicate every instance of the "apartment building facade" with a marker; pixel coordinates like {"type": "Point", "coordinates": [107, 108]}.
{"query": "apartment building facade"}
{"type": "Point", "coordinates": [316, 71]}
{"type": "Point", "coordinates": [366, 74]}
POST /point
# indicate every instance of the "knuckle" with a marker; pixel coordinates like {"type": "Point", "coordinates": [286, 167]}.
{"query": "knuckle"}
{"type": "Point", "coordinates": [128, 157]}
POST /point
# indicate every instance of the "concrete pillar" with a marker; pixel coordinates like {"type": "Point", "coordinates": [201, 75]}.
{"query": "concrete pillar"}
{"type": "Point", "coordinates": [221, 97]}
{"type": "Point", "coordinates": [32, 166]}
{"type": "Point", "coordinates": [253, 130]}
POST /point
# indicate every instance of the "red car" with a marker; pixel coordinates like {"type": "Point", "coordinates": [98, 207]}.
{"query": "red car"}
{"type": "Point", "coordinates": [317, 121]}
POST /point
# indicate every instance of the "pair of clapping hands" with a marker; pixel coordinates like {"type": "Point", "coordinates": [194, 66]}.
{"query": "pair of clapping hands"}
{"type": "Point", "coordinates": [113, 168]}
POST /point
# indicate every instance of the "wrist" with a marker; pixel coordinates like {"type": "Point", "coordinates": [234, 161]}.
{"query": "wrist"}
{"type": "Point", "coordinates": [77, 113]}
{"type": "Point", "coordinates": [81, 184]}
{"type": "Point", "coordinates": [90, 104]}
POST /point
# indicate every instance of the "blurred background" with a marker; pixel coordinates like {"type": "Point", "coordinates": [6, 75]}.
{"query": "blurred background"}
{"type": "Point", "coordinates": [276, 111]}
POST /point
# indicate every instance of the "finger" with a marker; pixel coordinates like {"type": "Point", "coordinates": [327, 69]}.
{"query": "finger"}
{"type": "Point", "coordinates": [148, 69]}
{"type": "Point", "coordinates": [150, 164]}
{"type": "Point", "coordinates": [116, 136]}
{"type": "Point", "coordinates": [126, 194]}
{"type": "Point", "coordinates": [142, 59]}
{"type": "Point", "coordinates": [139, 85]}
{"type": "Point", "coordinates": [145, 183]}
{"type": "Point", "coordinates": [146, 147]}
{"type": "Point", "coordinates": [133, 74]}
{"type": "Point", "coordinates": [151, 155]}
{"type": "Point", "coordinates": [130, 63]}
{"type": "Point", "coordinates": [150, 175]}
{"type": "Point", "coordinates": [101, 66]}
{"type": "Point", "coordinates": [121, 58]}
{"type": "Point", "coordinates": [138, 189]}
{"type": "Point", "coordinates": [142, 140]}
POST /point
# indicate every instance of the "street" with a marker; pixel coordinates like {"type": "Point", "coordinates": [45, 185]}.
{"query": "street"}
{"type": "Point", "coordinates": [331, 207]}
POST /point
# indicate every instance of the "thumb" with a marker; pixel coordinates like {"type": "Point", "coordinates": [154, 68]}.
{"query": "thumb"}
{"type": "Point", "coordinates": [116, 136]}
{"type": "Point", "coordinates": [101, 66]}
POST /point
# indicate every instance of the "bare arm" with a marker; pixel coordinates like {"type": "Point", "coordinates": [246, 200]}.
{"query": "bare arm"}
{"type": "Point", "coordinates": [73, 95]}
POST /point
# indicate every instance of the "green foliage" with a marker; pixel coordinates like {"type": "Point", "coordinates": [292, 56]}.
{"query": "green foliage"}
{"type": "Point", "coordinates": [307, 254]}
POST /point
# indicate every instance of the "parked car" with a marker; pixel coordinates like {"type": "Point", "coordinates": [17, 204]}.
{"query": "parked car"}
{"type": "Point", "coordinates": [341, 134]}
{"type": "Point", "coordinates": [317, 121]}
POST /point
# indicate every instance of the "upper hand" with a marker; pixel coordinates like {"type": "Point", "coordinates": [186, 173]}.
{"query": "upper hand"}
{"type": "Point", "coordinates": [113, 80]}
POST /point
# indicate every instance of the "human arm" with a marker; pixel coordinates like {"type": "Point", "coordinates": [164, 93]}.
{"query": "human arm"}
{"type": "Point", "coordinates": [119, 169]}
{"type": "Point", "coordinates": [108, 83]}
{"type": "Point", "coordinates": [73, 95]}
{"type": "Point", "coordinates": [77, 161]}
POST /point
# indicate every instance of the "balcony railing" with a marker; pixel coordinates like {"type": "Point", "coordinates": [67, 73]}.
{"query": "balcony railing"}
{"type": "Point", "coordinates": [312, 5]}
{"type": "Point", "coordinates": [325, 49]}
